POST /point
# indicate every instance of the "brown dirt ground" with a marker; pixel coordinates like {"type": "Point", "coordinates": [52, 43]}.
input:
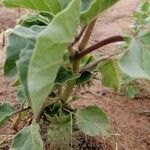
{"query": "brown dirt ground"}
{"type": "Point", "coordinates": [131, 128]}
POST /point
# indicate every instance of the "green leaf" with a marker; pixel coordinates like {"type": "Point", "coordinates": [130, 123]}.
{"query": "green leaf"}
{"type": "Point", "coordinates": [19, 51]}
{"type": "Point", "coordinates": [23, 65]}
{"type": "Point", "coordinates": [131, 91]}
{"type": "Point", "coordinates": [84, 78]}
{"type": "Point", "coordinates": [52, 6]}
{"type": "Point", "coordinates": [15, 44]}
{"type": "Point", "coordinates": [58, 119]}
{"type": "Point", "coordinates": [85, 4]}
{"type": "Point", "coordinates": [95, 8]}
{"type": "Point", "coordinates": [93, 121]}
{"type": "Point", "coordinates": [6, 110]}
{"type": "Point", "coordinates": [29, 35]}
{"type": "Point", "coordinates": [126, 79]}
{"type": "Point", "coordinates": [110, 74]}
{"type": "Point", "coordinates": [56, 114]}
{"type": "Point", "coordinates": [19, 38]}
{"type": "Point", "coordinates": [142, 17]}
{"type": "Point", "coordinates": [86, 60]}
{"type": "Point", "coordinates": [16, 83]}
{"type": "Point", "coordinates": [31, 19]}
{"type": "Point", "coordinates": [135, 61]}
{"type": "Point", "coordinates": [20, 96]}
{"type": "Point", "coordinates": [48, 53]}
{"type": "Point", "coordinates": [46, 14]}
{"type": "Point", "coordinates": [144, 7]}
{"type": "Point", "coordinates": [60, 134]}
{"type": "Point", "coordinates": [65, 75]}
{"type": "Point", "coordinates": [28, 139]}
{"type": "Point", "coordinates": [64, 3]}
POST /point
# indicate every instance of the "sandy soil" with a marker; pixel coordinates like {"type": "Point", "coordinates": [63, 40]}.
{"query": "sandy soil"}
{"type": "Point", "coordinates": [131, 128]}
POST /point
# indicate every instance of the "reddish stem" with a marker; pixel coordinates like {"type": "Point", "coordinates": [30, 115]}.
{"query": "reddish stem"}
{"type": "Point", "coordinates": [100, 44]}
{"type": "Point", "coordinates": [79, 36]}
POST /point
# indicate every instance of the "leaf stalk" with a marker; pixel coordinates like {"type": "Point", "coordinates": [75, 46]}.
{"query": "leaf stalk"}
{"type": "Point", "coordinates": [87, 35]}
{"type": "Point", "coordinates": [100, 44]}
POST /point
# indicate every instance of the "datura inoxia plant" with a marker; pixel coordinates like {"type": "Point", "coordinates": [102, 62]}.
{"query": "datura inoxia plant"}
{"type": "Point", "coordinates": [48, 57]}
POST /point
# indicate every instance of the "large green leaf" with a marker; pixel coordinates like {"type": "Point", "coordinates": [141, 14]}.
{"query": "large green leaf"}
{"type": "Point", "coordinates": [52, 6]}
{"type": "Point", "coordinates": [30, 35]}
{"type": "Point", "coordinates": [19, 51]}
{"type": "Point", "coordinates": [135, 62]}
{"type": "Point", "coordinates": [15, 44]}
{"type": "Point", "coordinates": [6, 111]}
{"type": "Point", "coordinates": [110, 75]}
{"type": "Point", "coordinates": [28, 139]}
{"type": "Point", "coordinates": [19, 38]}
{"type": "Point", "coordinates": [23, 65]}
{"type": "Point", "coordinates": [95, 8]}
{"type": "Point", "coordinates": [48, 53]}
{"type": "Point", "coordinates": [93, 121]}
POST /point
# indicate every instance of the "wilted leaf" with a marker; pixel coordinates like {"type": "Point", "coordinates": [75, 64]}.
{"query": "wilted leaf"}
{"type": "Point", "coordinates": [6, 110]}
{"type": "Point", "coordinates": [28, 139]}
{"type": "Point", "coordinates": [93, 121]}
{"type": "Point", "coordinates": [51, 45]}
